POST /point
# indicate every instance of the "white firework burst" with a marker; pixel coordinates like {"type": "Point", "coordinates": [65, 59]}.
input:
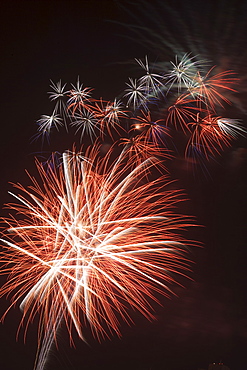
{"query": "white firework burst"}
{"type": "Point", "coordinates": [46, 123]}
{"type": "Point", "coordinates": [59, 96]}
{"type": "Point", "coordinates": [86, 122]}
{"type": "Point", "coordinates": [136, 94]}
{"type": "Point", "coordinates": [183, 73]}
{"type": "Point", "coordinates": [153, 82]}
{"type": "Point", "coordinates": [79, 97]}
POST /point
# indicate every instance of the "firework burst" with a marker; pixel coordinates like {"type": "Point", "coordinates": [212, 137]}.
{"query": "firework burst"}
{"type": "Point", "coordinates": [46, 123]}
{"type": "Point", "coordinates": [151, 130]}
{"type": "Point", "coordinates": [95, 239]}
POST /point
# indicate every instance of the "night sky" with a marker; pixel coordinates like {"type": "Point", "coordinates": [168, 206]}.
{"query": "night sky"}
{"type": "Point", "coordinates": [41, 40]}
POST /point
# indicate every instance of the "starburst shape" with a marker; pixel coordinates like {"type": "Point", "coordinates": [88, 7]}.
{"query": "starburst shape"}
{"type": "Point", "coordinates": [95, 239]}
{"type": "Point", "coordinates": [46, 123]}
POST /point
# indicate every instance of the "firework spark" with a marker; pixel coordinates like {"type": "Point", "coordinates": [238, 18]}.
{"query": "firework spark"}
{"type": "Point", "coordinates": [95, 239]}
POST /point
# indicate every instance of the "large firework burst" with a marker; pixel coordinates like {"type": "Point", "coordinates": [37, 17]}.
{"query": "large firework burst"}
{"type": "Point", "coordinates": [94, 239]}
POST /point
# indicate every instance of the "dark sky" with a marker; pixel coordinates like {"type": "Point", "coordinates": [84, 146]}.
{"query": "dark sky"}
{"type": "Point", "coordinates": [43, 40]}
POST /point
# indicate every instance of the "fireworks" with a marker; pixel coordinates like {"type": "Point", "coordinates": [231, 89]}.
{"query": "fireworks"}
{"type": "Point", "coordinates": [79, 97]}
{"type": "Point", "coordinates": [136, 94]}
{"type": "Point", "coordinates": [193, 95]}
{"type": "Point", "coordinates": [95, 236]}
{"type": "Point", "coordinates": [85, 123]}
{"type": "Point", "coordinates": [183, 72]}
{"type": "Point", "coordinates": [95, 239]}
{"type": "Point", "coordinates": [198, 81]}
{"type": "Point", "coordinates": [46, 123]}
{"type": "Point", "coordinates": [187, 97]}
{"type": "Point", "coordinates": [153, 83]}
{"type": "Point", "coordinates": [151, 131]}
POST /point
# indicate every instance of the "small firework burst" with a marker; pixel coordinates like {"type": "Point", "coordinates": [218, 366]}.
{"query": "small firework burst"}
{"type": "Point", "coordinates": [79, 97]}
{"type": "Point", "coordinates": [46, 123]}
